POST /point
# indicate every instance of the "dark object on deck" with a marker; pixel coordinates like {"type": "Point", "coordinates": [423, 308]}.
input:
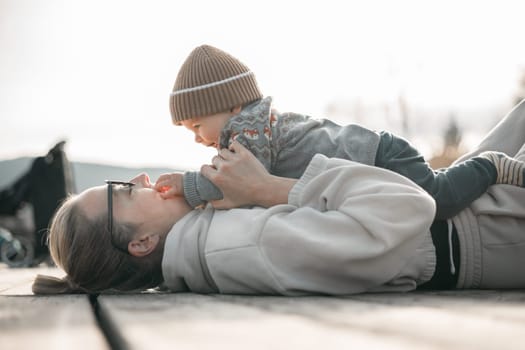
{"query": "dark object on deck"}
{"type": "Point", "coordinates": [42, 188]}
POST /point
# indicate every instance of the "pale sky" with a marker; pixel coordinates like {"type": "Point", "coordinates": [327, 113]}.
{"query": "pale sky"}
{"type": "Point", "coordinates": [99, 72]}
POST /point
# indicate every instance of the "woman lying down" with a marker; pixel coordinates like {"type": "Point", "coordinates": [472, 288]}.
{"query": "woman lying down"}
{"type": "Point", "coordinates": [342, 228]}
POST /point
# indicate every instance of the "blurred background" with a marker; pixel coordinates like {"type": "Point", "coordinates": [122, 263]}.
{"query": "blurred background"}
{"type": "Point", "coordinates": [98, 73]}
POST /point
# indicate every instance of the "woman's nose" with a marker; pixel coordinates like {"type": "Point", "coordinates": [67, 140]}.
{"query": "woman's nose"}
{"type": "Point", "coordinates": [198, 139]}
{"type": "Point", "coordinates": [141, 180]}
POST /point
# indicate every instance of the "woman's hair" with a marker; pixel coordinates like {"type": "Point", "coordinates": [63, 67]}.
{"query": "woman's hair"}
{"type": "Point", "coordinates": [82, 248]}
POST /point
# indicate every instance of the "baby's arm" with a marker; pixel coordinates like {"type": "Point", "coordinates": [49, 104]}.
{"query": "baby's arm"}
{"type": "Point", "coordinates": [170, 185]}
{"type": "Point", "coordinates": [195, 188]}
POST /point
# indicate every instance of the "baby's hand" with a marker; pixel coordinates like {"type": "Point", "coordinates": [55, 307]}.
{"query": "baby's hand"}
{"type": "Point", "coordinates": [170, 185]}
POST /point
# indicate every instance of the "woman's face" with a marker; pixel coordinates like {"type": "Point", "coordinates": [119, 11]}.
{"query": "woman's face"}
{"type": "Point", "coordinates": [140, 205]}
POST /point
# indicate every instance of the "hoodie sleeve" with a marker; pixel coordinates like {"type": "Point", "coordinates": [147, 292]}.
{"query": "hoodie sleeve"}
{"type": "Point", "coordinates": [198, 189]}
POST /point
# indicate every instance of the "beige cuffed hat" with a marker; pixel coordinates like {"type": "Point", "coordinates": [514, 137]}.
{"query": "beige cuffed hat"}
{"type": "Point", "coordinates": [211, 81]}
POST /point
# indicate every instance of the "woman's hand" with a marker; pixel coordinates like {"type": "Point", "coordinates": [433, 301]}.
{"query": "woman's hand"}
{"type": "Point", "coordinates": [244, 181]}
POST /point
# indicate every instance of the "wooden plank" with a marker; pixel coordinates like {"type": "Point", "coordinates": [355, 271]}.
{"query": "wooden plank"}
{"type": "Point", "coordinates": [444, 320]}
{"type": "Point", "coordinates": [44, 322]}
{"type": "Point", "coordinates": [422, 320]}
{"type": "Point", "coordinates": [488, 320]}
{"type": "Point", "coordinates": [189, 321]}
{"type": "Point", "coordinates": [58, 322]}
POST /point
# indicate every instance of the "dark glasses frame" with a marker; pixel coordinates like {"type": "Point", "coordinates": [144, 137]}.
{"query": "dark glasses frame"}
{"type": "Point", "coordinates": [110, 184]}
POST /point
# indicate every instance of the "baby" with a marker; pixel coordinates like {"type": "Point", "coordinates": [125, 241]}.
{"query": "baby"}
{"type": "Point", "coordinates": [216, 97]}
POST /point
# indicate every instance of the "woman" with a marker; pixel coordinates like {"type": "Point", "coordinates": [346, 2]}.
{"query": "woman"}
{"type": "Point", "coordinates": [345, 228]}
{"type": "Point", "coordinates": [127, 237]}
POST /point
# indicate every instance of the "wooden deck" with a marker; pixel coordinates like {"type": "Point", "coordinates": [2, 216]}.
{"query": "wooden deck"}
{"type": "Point", "coordinates": [422, 320]}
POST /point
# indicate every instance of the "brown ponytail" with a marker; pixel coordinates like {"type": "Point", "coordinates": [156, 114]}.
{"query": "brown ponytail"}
{"type": "Point", "coordinates": [53, 285]}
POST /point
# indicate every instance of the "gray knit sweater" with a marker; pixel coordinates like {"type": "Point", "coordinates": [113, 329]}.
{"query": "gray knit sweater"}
{"type": "Point", "coordinates": [285, 143]}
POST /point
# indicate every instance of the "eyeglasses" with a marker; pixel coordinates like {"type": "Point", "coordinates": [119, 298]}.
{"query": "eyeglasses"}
{"type": "Point", "coordinates": [110, 184]}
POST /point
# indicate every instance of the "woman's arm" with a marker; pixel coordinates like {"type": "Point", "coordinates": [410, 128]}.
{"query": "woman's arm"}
{"type": "Point", "coordinates": [244, 181]}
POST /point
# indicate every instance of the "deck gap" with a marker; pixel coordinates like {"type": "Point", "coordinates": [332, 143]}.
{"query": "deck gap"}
{"type": "Point", "coordinates": [107, 326]}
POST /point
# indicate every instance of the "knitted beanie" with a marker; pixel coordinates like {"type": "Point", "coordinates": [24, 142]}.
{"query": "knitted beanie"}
{"type": "Point", "coordinates": [211, 81]}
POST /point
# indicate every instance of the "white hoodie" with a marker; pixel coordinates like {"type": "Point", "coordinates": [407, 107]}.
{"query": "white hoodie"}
{"type": "Point", "coordinates": [347, 228]}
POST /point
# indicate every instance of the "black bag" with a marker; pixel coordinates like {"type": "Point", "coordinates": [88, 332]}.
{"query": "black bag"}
{"type": "Point", "coordinates": [43, 187]}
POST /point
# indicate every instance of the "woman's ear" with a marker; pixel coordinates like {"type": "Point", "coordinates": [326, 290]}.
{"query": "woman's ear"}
{"type": "Point", "coordinates": [144, 244]}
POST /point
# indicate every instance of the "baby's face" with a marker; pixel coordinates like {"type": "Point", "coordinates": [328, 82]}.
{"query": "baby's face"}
{"type": "Point", "coordinates": [208, 129]}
